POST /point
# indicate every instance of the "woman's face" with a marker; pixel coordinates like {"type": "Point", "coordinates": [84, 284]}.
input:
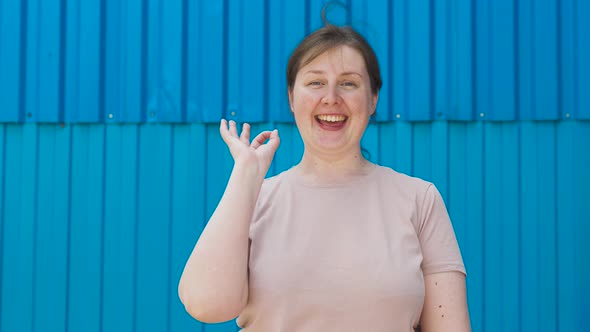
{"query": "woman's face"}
{"type": "Point", "coordinates": [332, 101]}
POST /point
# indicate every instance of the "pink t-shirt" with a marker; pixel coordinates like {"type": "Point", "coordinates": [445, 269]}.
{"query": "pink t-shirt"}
{"type": "Point", "coordinates": [345, 257]}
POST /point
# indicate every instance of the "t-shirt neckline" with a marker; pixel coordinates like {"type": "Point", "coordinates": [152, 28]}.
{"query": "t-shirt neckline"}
{"type": "Point", "coordinates": [350, 181]}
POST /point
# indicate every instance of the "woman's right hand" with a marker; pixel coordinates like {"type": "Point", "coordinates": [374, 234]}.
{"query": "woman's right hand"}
{"type": "Point", "coordinates": [251, 154]}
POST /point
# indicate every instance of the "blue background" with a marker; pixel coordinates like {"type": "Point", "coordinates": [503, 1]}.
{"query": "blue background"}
{"type": "Point", "coordinates": [111, 161]}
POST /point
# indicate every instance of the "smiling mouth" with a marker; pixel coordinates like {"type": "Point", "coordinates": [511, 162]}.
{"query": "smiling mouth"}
{"type": "Point", "coordinates": [332, 121]}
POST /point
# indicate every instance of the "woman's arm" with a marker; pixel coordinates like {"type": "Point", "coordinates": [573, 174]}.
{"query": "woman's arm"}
{"type": "Point", "coordinates": [445, 303]}
{"type": "Point", "coordinates": [214, 283]}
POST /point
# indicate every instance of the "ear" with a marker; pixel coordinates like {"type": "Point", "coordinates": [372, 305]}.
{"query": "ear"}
{"type": "Point", "coordinates": [374, 103]}
{"type": "Point", "coordinates": [290, 94]}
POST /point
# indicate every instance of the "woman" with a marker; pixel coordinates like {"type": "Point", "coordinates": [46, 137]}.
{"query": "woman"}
{"type": "Point", "coordinates": [336, 243]}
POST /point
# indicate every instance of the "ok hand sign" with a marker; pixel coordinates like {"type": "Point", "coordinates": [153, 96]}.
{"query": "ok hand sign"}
{"type": "Point", "coordinates": [253, 154]}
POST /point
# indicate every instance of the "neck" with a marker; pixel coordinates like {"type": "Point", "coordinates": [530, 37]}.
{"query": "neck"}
{"type": "Point", "coordinates": [333, 167]}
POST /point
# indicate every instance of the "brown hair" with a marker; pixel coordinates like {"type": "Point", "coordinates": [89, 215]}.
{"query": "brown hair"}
{"type": "Point", "coordinates": [327, 38]}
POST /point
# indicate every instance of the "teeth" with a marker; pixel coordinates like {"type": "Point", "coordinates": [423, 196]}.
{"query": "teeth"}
{"type": "Point", "coordinates": [332, 118]}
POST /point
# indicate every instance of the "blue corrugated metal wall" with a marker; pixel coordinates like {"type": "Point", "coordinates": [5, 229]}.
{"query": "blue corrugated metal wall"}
{"type": "Point", "coordinates": [195, 61]}
{"type": "Point", "coordinates": [98, 219]}
{"type": "Point", "coordinates": [110, 166]}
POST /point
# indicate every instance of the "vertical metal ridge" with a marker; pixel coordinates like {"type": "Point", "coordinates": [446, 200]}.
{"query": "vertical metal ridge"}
{"type": "Point", "coordinates": [489, 64]}
{"type": "Point", "coordinates": [307, 23]}
{"type": "Point", "coordinates": [184, 61]}
{"type": "Point", "coordinates": [432, 59]}
{"type": "Point", "coordinates": [473, 112]}
{"type": "Point", "coordinates": [136, 223]}
{"type": "Point", "coordinates": [412, 148]}
{"type": "Point", "coordinates": [205, 170]}
{"type": "Point", "coordinates": [379, 150]}
{"type": "Point", "coordinates": [348, 11]}
{"type": "Point", "coordinates": [265, 60]}
{"type": "Point", "coordinates": [449, 52]}
{"type": "Point", "coordinates": [102, 225]}
{"type": "Point", "coordinates": [68, 231]}
{"type": "Point", "coordinates": [22, 109]}
{"type": "Point", "coordinates": [170, 228]}
{"type": "Point", "coordinates": [390, 68]}
{"type": "Point", "coordinates": [519, 218]}
{"type": "Point", "coordinates": [559, 55]}
{"type": "Point", "coordinates": [533, 59]}
{"type": "Point", "coordinates": [575, 85]}
{"type": "Point", "coordinates": [102, 64]}
{"type": "Point", "coordinates": [483, 228]}
{"type": "Point", "coordinates": [2, 219]}
{"type": "Point", "coordinates": [405, 59]}
{"type": "Point", "coordinates": [516, 57]}
{"type": "Point", "coordinates": [448, 157]}
{"type": "Point", "coordinates": [144, 60]}
{"type": "Point", "coordinates": [560, 112]}
{"type": "Point", "coordinates": [35, 224]}
{"type": "Point", "coordinates": [537, 235]}
{"type": "Point", "coordinates": [556, 218]}
{"type": "Point", "coordinates": [225, 59]}
{"type": "Point", "coordinates": [63, 26]}
{"type": "Point", "coordinates": [205, 183]}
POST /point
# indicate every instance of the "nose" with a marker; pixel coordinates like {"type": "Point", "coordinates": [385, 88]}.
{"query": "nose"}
{"type": "Point", "coordinates": [331, 97]}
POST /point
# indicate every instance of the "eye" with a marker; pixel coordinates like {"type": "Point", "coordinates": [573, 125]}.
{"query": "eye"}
{"type": "Point", "coordinates": [315, 83]}
{"type": "Point", "coordinates": [349, 84]}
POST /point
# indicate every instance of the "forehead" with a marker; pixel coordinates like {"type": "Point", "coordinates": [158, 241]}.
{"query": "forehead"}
{"type": "Point", "coordinates": [338, 59]}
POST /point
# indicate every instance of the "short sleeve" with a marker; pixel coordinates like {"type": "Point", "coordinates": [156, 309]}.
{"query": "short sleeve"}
{"type": "Point", "coordinates": [440, 249]}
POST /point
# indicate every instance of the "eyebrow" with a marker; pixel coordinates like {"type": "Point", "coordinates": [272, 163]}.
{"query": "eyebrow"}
{"type": "Point", "coordinates": [342, 74]}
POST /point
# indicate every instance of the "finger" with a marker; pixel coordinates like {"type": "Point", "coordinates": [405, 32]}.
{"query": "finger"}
{"type": "Point", "coordinates": [232, 128]}
{"type": "Point", "coordinates": [260, 139]}
{"type": "Point", "coordinates": [224, 131]}
{"type": "Point", "coordinates": [274, 140]}
{"type": "Point", "coordinates": [222, 125]}
{"type": "Point", "coordinates": [245, 136]}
